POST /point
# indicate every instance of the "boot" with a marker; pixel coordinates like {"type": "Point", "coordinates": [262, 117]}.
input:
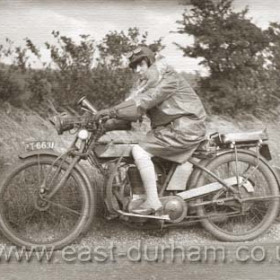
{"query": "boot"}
{"type": "Point", "coordinates": [147, 171]}
{"type": "Point", "coordinates": [152, 203]}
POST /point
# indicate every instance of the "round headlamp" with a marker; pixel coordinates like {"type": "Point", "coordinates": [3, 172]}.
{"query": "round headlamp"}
{"type": "Point", "coordinates": [83, 134]}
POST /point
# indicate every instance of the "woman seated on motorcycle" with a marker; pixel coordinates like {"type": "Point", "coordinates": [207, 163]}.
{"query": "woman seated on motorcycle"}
{"type": "Point", "coordinates": [177, 119]}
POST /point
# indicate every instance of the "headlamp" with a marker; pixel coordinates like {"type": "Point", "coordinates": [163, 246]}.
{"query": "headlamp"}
{"type": "Point", "coordinates": [83, 134]}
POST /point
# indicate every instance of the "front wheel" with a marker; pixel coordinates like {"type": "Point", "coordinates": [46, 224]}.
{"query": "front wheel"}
{"type": "Point", "coordinates": [28, 219]}
{"type": "Point", "coordinates": [233, 220]}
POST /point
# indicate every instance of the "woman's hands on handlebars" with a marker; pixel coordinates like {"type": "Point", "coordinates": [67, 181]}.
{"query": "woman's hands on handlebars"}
{"type": "Point", "coordinates": [105, 114]}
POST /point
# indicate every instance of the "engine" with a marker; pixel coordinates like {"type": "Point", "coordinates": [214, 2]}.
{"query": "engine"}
{"type": "Point", "coordinates": [174, 206]}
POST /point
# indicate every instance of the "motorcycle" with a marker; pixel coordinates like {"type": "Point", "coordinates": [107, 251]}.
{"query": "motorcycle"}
{"type": "Point", "coordinates": [48, 199]}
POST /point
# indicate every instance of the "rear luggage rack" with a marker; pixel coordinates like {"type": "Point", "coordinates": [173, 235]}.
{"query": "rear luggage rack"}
{"type": "Point", "coordinates": [244, 137]}
{"type": "Point", "coordinates": [247, 138]}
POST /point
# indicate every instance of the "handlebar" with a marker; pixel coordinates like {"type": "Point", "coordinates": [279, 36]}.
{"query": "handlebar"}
{"type": "Point", "coordinates": [64, 122]}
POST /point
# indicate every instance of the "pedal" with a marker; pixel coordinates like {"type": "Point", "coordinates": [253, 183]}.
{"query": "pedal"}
{"type": "Point", "coordinates": [162, 217]}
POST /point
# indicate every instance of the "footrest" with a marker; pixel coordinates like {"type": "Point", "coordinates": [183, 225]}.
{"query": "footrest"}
{"type": "Point", "coordinates": [162, 217]}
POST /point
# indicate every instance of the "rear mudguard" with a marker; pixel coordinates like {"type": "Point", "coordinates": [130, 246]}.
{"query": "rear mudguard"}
{"type": "Point", "coordinates": [276, 170]}
{"type": "Point", "coordinates": [92, 191]}
{"type": "Point", "coordinates": [197, 171]}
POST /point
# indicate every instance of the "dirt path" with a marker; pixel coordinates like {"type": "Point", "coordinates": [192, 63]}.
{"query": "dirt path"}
{"type": "Point", "coordinates": [234, 266]}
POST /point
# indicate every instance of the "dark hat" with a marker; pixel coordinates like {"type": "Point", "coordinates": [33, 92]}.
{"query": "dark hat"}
{"type": "Point", "coordinates": [138, 54]}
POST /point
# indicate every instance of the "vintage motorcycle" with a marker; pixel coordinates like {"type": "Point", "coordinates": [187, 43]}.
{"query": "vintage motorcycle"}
{"type": "Point", "coordinates": [49, 199]}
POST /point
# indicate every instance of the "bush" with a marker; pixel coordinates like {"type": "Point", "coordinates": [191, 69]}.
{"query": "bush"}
{"type": "Point", "coordinates": [76, 69]}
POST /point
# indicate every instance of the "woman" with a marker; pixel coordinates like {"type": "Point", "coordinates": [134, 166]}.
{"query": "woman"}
{"type": "Point", "coordinates": [177, 119]}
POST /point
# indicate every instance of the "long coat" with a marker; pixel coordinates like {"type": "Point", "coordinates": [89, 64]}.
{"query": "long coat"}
{"type": "Point", "coordinates": [176, 113]}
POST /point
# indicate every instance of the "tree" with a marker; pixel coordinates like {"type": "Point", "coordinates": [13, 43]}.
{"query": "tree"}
{"type": "Point", "coordinates": [273, 53]}
{"type": "Point", "coordinates": [233, 49]}
{"type": "Point", "coordinates": [111, 79]}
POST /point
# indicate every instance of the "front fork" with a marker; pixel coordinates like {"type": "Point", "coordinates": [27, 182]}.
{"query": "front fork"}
{"type": "Point", "coordinates": [77, 155]}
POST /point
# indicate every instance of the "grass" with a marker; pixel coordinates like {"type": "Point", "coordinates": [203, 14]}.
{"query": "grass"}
{"type": "Point", "coordinates": [19, 126]}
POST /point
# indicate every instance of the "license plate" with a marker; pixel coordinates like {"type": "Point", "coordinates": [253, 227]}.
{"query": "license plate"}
{"type": "Point", "coordinates": [39, 145]}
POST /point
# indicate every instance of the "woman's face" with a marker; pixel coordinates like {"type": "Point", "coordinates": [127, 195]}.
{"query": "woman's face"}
{"type": "Point", "coordinates": [142, 67]}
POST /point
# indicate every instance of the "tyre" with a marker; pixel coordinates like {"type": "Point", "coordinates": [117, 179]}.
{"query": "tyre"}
{"type": "Point", "coordinates": [29, 219]}
{"type": "Point", "coordinates": [239, 221]}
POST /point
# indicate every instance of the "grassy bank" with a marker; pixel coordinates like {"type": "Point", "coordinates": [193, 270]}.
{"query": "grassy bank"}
{"type": "Point", "coordinates": [19, 126]}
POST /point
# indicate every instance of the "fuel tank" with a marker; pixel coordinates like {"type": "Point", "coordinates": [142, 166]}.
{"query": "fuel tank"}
{"type": "Point", "coordinates": [117, 143]}
{"type": "Point", "coordinates": [113, 150]}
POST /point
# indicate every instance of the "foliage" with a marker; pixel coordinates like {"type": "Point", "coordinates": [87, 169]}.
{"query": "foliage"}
{"type": "Point", "coordinates": [76, 68]}
{"type": "Point", "coordinates": [112, 75]}
{"type": "Point", "coordinates": [273, 52]}
{"type": "Point", "coordinates": [243, 62]}
{"type": "Point", "coordinates": [233, 50]}
{"type": "Point", "coordinates": [115, 44]}
{"type": "Point", "coordinates": [10, 86]}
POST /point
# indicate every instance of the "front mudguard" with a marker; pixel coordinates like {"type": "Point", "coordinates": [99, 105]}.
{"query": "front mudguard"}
{"type": "Point", "coordinates": [92, 188]}
{"type": "Point", "coordinates": [38, 153]}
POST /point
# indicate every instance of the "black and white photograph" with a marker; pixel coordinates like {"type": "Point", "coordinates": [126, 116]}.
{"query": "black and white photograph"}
{"type": "Point", "coordinates": [139, 139]}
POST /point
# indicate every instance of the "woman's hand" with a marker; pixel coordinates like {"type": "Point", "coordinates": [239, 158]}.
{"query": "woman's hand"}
{"type": "Point", "coordinates": [105, 114]}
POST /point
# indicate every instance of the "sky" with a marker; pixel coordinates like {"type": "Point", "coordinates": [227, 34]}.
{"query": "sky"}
{"type": "Point", "coordinates": [36, 19]}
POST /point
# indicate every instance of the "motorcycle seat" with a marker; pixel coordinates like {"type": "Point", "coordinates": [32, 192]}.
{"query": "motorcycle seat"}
{"type": "Point", "coordinates": [244, 137]}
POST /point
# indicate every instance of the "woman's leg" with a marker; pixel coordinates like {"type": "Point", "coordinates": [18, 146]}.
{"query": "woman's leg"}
{"type": "Point", "coordinates": [147, 171]}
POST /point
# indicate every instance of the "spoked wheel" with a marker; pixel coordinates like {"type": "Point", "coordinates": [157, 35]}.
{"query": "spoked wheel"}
{"type": "Point", "coordinates": [252, 215]}
{"type": "Point", "coordinates": [28, 218]}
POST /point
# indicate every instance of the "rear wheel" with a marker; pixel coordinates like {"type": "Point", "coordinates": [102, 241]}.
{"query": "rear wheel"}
{"type": "Point", "coordinates": [28, 219]}
{"type": "Point", "coordinates": [233, 220]}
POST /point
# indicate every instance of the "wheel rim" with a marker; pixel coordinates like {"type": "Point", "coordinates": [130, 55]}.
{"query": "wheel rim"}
{"type": "Point", "coordinates": [31, 218]}
{"type": "Point", "coordinates": [254, 214]}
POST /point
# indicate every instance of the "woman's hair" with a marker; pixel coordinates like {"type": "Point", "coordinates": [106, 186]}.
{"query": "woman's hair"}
{"type": "Point", "coordinates": [137, 62]}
